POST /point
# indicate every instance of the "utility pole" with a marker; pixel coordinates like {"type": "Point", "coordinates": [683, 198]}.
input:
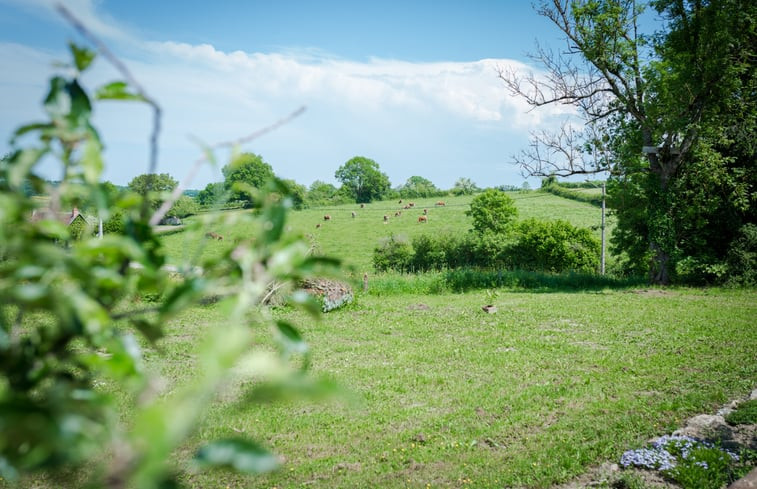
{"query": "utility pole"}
{"type": "Point", "coordinates": [602, 259]}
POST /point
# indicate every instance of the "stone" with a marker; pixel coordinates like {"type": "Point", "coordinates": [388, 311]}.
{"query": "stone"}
{"type": "Point", "coordinates": [749, 481]}
{"type": "Point", "coordinates": [703, 426]}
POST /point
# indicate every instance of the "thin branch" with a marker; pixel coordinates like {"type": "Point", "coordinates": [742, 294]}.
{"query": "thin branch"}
{"type": "Point", "coordinates": [166, 206]}
{"type": "Point", "coordinates": [153, 163]}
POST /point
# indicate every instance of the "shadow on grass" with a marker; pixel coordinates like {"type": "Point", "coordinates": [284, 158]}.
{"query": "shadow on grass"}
{"type": "Point", "coordinates": [464, 280]}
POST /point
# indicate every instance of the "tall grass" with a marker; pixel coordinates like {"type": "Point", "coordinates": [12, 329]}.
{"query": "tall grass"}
{"type": "Point", "coordinates": [466, 279]}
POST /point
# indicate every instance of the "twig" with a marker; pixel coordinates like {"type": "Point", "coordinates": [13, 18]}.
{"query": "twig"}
{"type": "Point", "coordinates": [126, 74]}
{"type": "Point", "coordinates": [166, 206]}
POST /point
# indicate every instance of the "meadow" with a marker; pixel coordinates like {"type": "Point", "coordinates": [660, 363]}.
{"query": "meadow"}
{"type": "Point", "coordinates": [428, 390]}
{"type": "Point", "coordinates": [353, 239]}
{"type": "Point", "coordinates": [438, 393]}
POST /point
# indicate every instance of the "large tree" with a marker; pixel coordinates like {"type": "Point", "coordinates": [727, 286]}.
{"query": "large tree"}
{"type": "Point", "coordinates": [416, 187]}
{"type": "Point", "coordinates": [650, 103]}
{"type": "Point", "coordinates": [246, 172]}
{"type": "Point", "coordinates": [154, 186]}
{"type": "Point", "coordinates": [363, 178]}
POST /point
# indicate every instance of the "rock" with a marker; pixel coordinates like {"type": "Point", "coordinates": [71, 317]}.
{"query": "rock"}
{"type": "Point", "coordinates": [749, 481]}
{"type": "Point", "coordinates": [705, 426]}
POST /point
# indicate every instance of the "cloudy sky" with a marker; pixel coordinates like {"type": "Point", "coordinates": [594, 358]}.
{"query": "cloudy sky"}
{"type": "Point", "coordinates": [412, 85]}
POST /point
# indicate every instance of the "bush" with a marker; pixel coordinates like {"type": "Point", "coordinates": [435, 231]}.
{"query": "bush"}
{"type": "Point", "coordinates": [115, 224]}
{"type": "Point", "coordinates": [492, 211]}
{"type": "Point", "coordinates": [742, 257]}
{"type": "Point", "coordinates": [392, 253]}
{"type": "Point", "coordinates": [183, 207]}
{"type": "Point", "coordinates": [554, 246]}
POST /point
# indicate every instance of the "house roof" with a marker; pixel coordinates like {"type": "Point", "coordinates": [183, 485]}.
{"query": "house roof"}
{"type": "Point", "coordinates": [65, 217]}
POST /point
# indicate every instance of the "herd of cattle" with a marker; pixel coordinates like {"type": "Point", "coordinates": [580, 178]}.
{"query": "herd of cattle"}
{"type": "Point", "coordinates": [423, 218]}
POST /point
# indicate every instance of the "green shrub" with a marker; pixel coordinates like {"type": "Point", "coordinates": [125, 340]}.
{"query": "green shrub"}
{"type": "Point", "coordinates": [492, 211]}
{"type": "Point", "coordinates": [554, 246]}
{"type": "Point", "coordinates": [392, 253]}
{"type": "Point", "coordinates": [742, 257]}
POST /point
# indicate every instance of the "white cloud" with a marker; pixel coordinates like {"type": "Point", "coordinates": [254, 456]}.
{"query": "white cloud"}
{"type": "Point", "coordinates": [399, 113]}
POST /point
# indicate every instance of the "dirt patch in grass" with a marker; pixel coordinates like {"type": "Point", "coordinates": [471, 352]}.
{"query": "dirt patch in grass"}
{"type": "Point", "coordinates": [653, 292]}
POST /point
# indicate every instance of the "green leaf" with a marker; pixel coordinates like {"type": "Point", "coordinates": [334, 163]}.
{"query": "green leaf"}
{"type": "Point", "coordinates": [289, 338]}
{"type": "Point", "coordinates": [117, 90]}
{"type": "Point", "coordinates": [57, 103]}
{"type": "Point", "coordinates": [36, 126]}
{"type": "Point", "coordinates": [83, 57]}
{"type": "Point", "coordinates": [81, 108]}
{"type": "Point", "coordinates": [309, 303]}
{"type": "Point", "coordinates": [242, 455]}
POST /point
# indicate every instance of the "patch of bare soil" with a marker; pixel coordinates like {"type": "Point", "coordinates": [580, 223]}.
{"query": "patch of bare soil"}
{"type": "Point", "coordinates": [653, 292]}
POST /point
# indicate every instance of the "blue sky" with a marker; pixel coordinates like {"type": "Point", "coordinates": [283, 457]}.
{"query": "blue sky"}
{"type": "Point", "coordinates": [410, 84]}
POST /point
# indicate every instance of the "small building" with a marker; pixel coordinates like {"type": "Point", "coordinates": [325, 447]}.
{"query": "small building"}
{"type": "Point", "coordinates": [77, 223]}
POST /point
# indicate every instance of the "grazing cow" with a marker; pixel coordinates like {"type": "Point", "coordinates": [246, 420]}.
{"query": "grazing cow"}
{"type": "Point", "coordinates": [400, 201]}
{"type": "Point", "coordinates": [327, 217]}
{"type": "Point", "coordinates": [440, 203]}
{"type": "Point", "coordinates": [214, 236]}
{"type": "Point", "coordinates": [317, 226]}
{"type": "Point", "coordinates": [398, 214]}
{"type": "Point", "coordinates": [362, 206]}
{"type": "Point", "coordinates": [411, 204]}
{"type": "Point", "coordinates": [422, 219]}
{"type": "Point", "coordinates": [425, 212]}
{"type": "Point", "coordinates": [406, 207]}
{"type": "Point", "coordinates": [386, 218]}
{"type": "Point", "coordinates": [354, 214]}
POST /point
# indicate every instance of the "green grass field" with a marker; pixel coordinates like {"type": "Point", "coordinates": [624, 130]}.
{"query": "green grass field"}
{"type": "Point", "coordinates": [442, 394]}
{"type": "Point", "coordinates": [353, 239]}
{"type": "Point", "coordinates": [445, 395]}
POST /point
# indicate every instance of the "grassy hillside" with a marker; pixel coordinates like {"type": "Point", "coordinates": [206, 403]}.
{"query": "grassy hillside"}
{"type": "Point", "coordinates": [353, 239]}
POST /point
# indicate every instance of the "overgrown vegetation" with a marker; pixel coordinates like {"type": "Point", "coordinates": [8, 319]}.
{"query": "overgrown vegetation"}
{"type": "Point", "coordinates": [68, 325]}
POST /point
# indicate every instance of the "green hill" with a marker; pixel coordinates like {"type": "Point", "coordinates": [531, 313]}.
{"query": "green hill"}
{"type": "Point", "coordinates": [353, 238]}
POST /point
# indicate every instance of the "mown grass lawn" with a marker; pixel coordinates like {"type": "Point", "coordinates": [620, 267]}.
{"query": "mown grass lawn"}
{"type": "Point", "coordinates": [445, 395]}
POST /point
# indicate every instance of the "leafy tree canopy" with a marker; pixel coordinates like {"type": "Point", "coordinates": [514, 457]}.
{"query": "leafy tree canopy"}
{"type": "Point", "coordinates": [155, 187]}
{"type": "Point", "coordinates": [464, 186]}
{"type": "Point", "coordinates": [213, 193]}
{"type": "Point", "coordinates": [416, 187]}
{"type": "Point", "coordinates": [492, 211]}
{"type": "Point", "coordinates": [246, 172]}
{"type": "Point", "coordinates": [363, 179]}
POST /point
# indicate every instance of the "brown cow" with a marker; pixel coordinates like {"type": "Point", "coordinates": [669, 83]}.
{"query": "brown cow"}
{"type": "Point", "coordinates": [362, 206]}
{"type": "Point", "coordinates": [425, 212]}
{"type": "Point", "coordinates": [411, 204]}
{"type": "Point", "coordinates": [386, 218]}
{"type": "Point", "coordinates": [440, 203]}
{"type": "Point", "coordinates": [214, 236]}
{"type": "Point", "coordinates": [398, 214]}
{"type": "Point", "coordinates": [422, 219]}
{"type": "Point", "coordinates": [354, 214]}
{"type": "Point", "coordinates": [317, 226]}
{"type": "Point", "coordinates": [327, 217]}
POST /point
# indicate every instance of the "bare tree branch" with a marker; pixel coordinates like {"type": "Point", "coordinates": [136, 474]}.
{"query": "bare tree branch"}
{"type": "Point", "coordinates": [71, 18]}
{"type": "Point", "coordinates": [167, 204]}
